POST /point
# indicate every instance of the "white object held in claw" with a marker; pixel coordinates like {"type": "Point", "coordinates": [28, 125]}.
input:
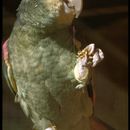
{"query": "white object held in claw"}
{"type": "Point", "coordinates": [88, 57]}
{"type": "Point", "coordinates": [97, 57]}
{"type": "Point", "coordinates": [81, 71]}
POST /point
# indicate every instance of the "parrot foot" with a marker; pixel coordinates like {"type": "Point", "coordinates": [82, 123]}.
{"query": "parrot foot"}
{"type": "Point", "coordinates": [79, 86]}
{"type": "Point", "coordinates": [51, 128]}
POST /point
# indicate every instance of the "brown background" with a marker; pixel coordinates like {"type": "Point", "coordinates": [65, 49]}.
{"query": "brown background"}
{"type": "Point", "coordinates": [105, 23]}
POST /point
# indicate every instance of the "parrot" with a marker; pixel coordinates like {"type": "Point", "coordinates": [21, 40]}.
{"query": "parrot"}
{"type": "Point", "coordinates": [45, 67]}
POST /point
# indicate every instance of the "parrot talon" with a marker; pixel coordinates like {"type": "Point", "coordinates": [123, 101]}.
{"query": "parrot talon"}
{"type": "Point", "coordinates": [79, 86]}
{"type": "Point", "coordinates": [51, 128]}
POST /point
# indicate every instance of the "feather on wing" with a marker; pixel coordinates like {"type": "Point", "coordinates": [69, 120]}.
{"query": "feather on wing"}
{"type": "Point", "coordinates": [7, 69]}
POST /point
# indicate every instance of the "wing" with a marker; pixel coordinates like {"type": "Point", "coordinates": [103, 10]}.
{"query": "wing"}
{"type": "Point", "coordinates": [7, 70]}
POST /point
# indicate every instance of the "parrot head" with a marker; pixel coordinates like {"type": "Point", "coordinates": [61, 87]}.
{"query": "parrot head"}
{"type": "Point", "coordinates": [43, 12]}
{"type": "Point", "coordinates": [64, 10]}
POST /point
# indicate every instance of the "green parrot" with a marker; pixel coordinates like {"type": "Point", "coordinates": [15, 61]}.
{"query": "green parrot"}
{"type": "Point", "coordinates": [50, 79]}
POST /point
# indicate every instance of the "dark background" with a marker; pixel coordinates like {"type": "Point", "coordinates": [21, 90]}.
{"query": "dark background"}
{"type": "Point", "coordinates": [105, 23]}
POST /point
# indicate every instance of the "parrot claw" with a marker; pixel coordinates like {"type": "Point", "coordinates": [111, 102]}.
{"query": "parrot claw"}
{"type": "Point", "coordinates": [80, 86]}
{"type": "Point", "coordinates": [51, 128]}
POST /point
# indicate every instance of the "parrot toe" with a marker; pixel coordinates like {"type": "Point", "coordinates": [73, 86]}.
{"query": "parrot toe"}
{"type": "Point", "coordinates": [79, 86]}
{"type": "Point", "coordinates": [51, 128]}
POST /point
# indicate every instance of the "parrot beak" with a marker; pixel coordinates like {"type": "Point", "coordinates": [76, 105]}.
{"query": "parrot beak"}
{"type": "Point", "coordinates": [78, 4]}
{"type": "Point", "coordinates": [75, 5]}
